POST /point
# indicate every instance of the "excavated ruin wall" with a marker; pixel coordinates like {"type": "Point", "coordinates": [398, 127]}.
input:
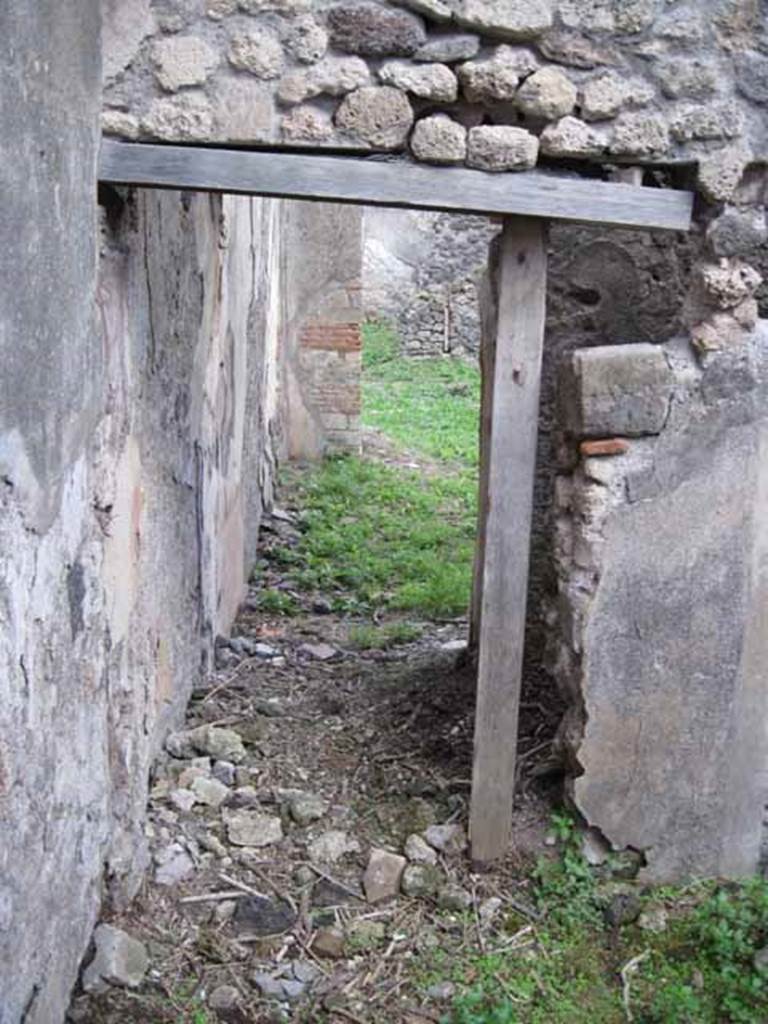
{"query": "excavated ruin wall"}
{"type": "Point", "coordinates": [125, 489]}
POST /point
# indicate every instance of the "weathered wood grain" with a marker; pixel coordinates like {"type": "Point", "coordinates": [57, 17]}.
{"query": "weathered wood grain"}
{"type": "Point", "coordinates": [520, 269]}
{"type": "Point", "coordinates": [383, 182]}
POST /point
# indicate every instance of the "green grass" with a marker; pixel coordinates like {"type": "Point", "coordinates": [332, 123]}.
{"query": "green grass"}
{"type": "Point", "coordinates": [369, 638]}
{"type": "Point", "coordinates": [700, 970]}
{"type": "Point", "coordinates": [429, 406]}
{"type": "Point", "coordinates": [388, 537]}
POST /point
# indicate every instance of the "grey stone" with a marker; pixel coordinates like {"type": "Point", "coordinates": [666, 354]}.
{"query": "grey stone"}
{"type": "Point", "coordinates": [570, 137]}
{"type": "Point", "coordinates": [223, 744]}
{"type": "Point", "coordinates": [288, 8]}
{"type": "Point", "coordinates": [594, 848]}
{"type": "Point", "coordinates": [653, 919]}
{"type": "Point", "coordinates": [380, 116]}
{"type": "Point", "coordinates": [617, 390]}
{"type": "Point", "coordinates": [183, 60]}
{"type": "Point", "coordinates": [334, 76]}
{"type": "Point", "coordinates": [319, 652]}
{"type": "Point", "coordinates": [497, 78]}
{"type": "Point", "coordinates": [382, 876]}
{"type": "Point", "coordinates": [173, 865]}
{"type": "Point", "coordinates": [224, 771]}
{"type": "Point", "coordinates": [119, 960]}
{"type": "Point", "coordinates": [330, 847]}
{"type": "Point", "coordinates": [224, 997]}
{"type": "Point", "coordinates": [252, 828]}
{"type": "Point", "coordinates": [217, 10]}
{"type": "Point", "coordinates": [210, 792]}
{"type": "Point", "coordinates": [258, 916]}
{"type": "Point", "coordinates": [489, 909]}
{"type": "Point", "coordinates": [258, 52]}
{"type": "Point", "coordinates": [449, 48]}
{"type": "Point", "coordinates": [729, 282]}
{"type": "Point", "coordinates": [124, 26]}
{"type": "Point", "coordinates": [502, 148]}
{"type": "Point", "coordinates": [117, 122]}
{"type": "Point", "coordinates": [269, 986]}
{"type": "Point", "coordinates": [328, 944]}
{"type": "Point", "coordinates": [737, 232]}
{"type": "Point", "coordinates": [578, 51]}
{"type": "Point", "coordinates": [752, 76]}
{"type": "Point", "coordinates": [547, 95]}
{"type": "Point", "coordinates": [182, 799]}
{"type": "Point", "coordinates": [208, 841]}
{"type": "Point", "coordinates": [453, 897]}
{"type": "Point", "coordinates": [441, 992]}
{"type": "Point", "coordinates": [640, 134]}
{"type": "Point", "coordinates": [604, 97]}
{"type": "Point", "coordinates": [447, 839]}
{"type": "Point", "coordinates": [687, 78]}
{"type": "Point", "coordinates": [187, 117]}
{"type": "Point", "coordinates": [307, 123]}
{"type": "Point", "coordinates": [427, 81]}
{"type": "Point", "coordinates": [418, 851]}
{"type": "Point", "coordinates": [720, 172]}
{"type": "Point", "coordinates": [374, 31]}
{"type": "Point", "coordinates": [421, 880]}
{"type": "Point", "coordinates": [306, 808]}
{"type": "Point", "coordinates": [439, 140]}
{"type": "Point", "coordinates": [701, 122]}
{"type": "Point", "coordinates": [306, 40]}
{"type": "Point", "coordinates": [506, 19]}
{"type": "Point", "coordinates": [293, 990]}
{"type": "Point", "coordinates": [435, 10]}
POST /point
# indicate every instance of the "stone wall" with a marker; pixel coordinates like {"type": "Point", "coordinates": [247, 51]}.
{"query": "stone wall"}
{"type": "Point", "coordinates": [131, 479]}
{"type": "Point", "coordinates": [662, 549]}
{"type": "Point", "coordinates": [495, 85]}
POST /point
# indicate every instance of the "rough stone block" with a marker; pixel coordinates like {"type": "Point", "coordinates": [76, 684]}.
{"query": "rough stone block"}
{"type": "Point", "coordinates": [547, 95]}
{"type": "Point", "coordinates": [119, 960]}
{"type": "Point", "coordinates": [427, 81]}
{"type": "Point", "coordinates": [571, 137]}
{"type": "Point", "coordinates": [439, 140]}
{"type": "Point", "coordinates": [374, 31]}
{"type": "Point", "coordinates": [187, 117]}
{"type": "Point", "coordinates": [604, 97]}
{"type": "Point", "coordinates": [183, 60]}
{"type": "Point", "coordinates": [306, 40]}
{"type": "Point", "coordinates": [258, 52]}
{"type": "Point", "coordinates": [752, 76]}
{"type": "Point", "coordinates": [507, 19]}
{"type": "Point", "coordinates": [449, 48]}
{"type": "Point", "coordinates": [380, 116]}
{"type": "Point", "coordinates": [334, 76]}
{"type": "Point", "coordinates": [640, 134]}
{"type": "Point", "coordinates": [502, 148]}
{"type": "Point", "coordinates": [244, 112]}
{"type": "Point", "coordinates": [619, 390]}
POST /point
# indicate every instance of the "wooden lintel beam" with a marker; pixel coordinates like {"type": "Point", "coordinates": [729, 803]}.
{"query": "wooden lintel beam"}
{"type": "Point", "coordinates": [392, 182]}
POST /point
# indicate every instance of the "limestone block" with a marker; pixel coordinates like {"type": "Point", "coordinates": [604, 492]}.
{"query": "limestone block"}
{"type": "Point", "coordinates": [687, 79]}
{"type": "Point", "coordinates": [640, 134]}
{"type": "Point", "coordinates": [604, 97]}
{"type": "Point", "coordinates": [729, 282]}
{"type": "Point", "coordinates": [287, 7]}
{"type": "Point", "coordinates": [428, 81]}
{"type": "Point", "coordinates": [374, 31]}
{"type": "Point", "coordinates": [570, 137]}
{"type": "Point", "coordinates": [244, 111]}
{"type": "Point", "coordinates": [720, 172]}
{"type": "Point", "coordinates": [498, 77]}
{"type": "Point", "coordinates": [307, 123]}
{"type": "Point", "coordinates": [380, 116]}
{"type": "Point", "coordinates": [257, 52]}
{"type": "Point", "coordinates": [449, 48]}
{"type": "Point", "coordinates": [182, 60]}
{"type": "Point", "coordinates": [383, 874]}
{"type": "Point", "coordinates": [577, 51]}
{"type": "Point", "coordinates": [502, 148]}
{"type": "Point", "coordinates": [507, 19]}
{"type": "Point", "coordinates": [752, 76]}
{"type": "Point", "coordinates": [117, 122]}
{"type": "Point", "coordinates": [614, 390]}
{"type": "Point", "coordinates": [439, 140]}
{"type": "Point", "coordinates": [334, 76]}
{"type": "Point", "coordinates": [306, 40]}
{"type": "Point", "coordinates": [547, 95]}
{"type": "Point", "coordinates": [216, 10]}
{"type": "Point", "coordinates": [695, 121]}
{"type": "Point", "coordinates": [623, 16]}
{"type": "Point", "coordinates": [187, 117]}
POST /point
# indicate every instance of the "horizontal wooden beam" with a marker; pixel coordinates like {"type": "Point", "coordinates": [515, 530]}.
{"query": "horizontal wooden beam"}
{"type": "Point", "coordinates": [392, 182]}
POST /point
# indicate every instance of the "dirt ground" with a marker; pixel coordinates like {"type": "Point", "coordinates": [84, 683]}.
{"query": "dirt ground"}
{"type": "Point", "coordinates": [282, 931]}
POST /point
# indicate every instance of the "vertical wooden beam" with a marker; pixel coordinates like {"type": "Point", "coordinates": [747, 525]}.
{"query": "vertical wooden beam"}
{"type": "Point", "coordinates": [520, 271]}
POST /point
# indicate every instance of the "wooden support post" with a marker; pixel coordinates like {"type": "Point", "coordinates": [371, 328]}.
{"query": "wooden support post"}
{"type": "Point", "coordinates": [520, 278]}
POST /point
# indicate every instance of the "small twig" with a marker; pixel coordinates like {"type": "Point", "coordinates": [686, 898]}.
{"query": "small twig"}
{"type": "Point", "coordinates": [334, 881]}
{"type": "Point", "coordinates": [346, 1013]}
{"type": "Point", "coordinates": [229, 680]}
{"type": "Point", "coordinates": [213, 897]}
{"type": "Point", "coordinates": [241, 886]}
{"type": "Point", "coordinates": [478, 922]}
{"type": "Point", "coordinates": [271, 885]}
{"type": "Point", "coordinates": [630, 968]}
